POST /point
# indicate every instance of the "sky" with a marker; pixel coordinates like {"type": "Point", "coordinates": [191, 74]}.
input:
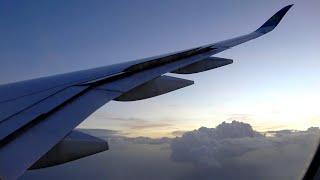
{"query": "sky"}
{"type": "Point", "coordinates": [273, 83]}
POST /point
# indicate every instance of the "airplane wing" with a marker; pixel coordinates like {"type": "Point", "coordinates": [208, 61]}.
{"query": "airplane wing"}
{"type": "Point", "coordinates": [37, 115]}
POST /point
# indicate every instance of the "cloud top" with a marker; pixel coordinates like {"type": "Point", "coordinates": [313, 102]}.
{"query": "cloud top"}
{"type": "Point", "coordinates": [235, 147]}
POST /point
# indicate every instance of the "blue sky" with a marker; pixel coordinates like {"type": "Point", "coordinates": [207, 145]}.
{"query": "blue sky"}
{"type": "Point", "coordinates": [273, 83]}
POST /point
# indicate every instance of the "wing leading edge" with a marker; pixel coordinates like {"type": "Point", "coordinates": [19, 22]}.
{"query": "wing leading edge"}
{"type": "Point", "coordinates": [56, 105]}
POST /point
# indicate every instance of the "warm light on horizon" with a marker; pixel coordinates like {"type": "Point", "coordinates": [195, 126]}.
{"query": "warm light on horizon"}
{"type": "Point", "coordinates": [296, 111]}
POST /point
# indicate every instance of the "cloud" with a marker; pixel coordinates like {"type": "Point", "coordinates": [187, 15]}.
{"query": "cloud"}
{"type": "Point", "coordinates": [102, 133]}
{"type": "Point", "coordinates": [119, 137]}
{"type": "Point", "coordinates": [231, 149]}
{"type": "Point", "coordinates": [178, 133]}
{"type": "Point", "coordinates": [141, 124]}
{"type": "Point", "coordinates": [147, 140]}
{"type": "Point", "coordinates": [240, 117]}
{"type": "Point", "coordinates": [206, 145]}
{"type": "Point", "coordinates": [147, 125]}
{"type": "Point", "coordinates": [102, 116]}
{"type": "Point", "coordinates": [138, 123]}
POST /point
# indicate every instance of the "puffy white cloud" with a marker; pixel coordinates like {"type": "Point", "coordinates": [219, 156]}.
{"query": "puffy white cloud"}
{"type": "Point", "coordinates": [233, 148]}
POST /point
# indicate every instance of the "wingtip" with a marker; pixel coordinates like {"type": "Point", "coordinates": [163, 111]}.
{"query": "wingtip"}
{"type": "Point", "coordinates": [288, 7]}
{"type": "Point", "coordinates": [273, 22]}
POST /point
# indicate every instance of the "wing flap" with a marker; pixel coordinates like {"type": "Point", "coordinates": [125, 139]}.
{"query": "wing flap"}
{"type": "Point", "coordinates": [155, 87]}
{"type": "Point", "coordinates": [204, 65]}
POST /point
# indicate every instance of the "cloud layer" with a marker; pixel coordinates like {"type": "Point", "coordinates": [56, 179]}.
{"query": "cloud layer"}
{"type": "Point", "coordinates": [235, 150]}
{"type": "Point", "coordinates": [229, 151]}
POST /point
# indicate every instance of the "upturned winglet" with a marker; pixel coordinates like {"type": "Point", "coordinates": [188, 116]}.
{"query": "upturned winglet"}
{"type": "Point", "coordinates": [274, 20]}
